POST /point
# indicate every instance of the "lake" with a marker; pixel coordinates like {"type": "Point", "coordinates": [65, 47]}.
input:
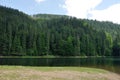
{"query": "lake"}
{"type": "Point", "coordinates": [108, 63]}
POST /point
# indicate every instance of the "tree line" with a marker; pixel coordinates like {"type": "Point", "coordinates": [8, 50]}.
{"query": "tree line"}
{"type": "Point", "coordinates": [43, 34]}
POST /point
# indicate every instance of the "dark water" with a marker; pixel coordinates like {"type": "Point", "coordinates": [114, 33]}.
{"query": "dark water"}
{"type": "Point", "coordinates": [110, 63]}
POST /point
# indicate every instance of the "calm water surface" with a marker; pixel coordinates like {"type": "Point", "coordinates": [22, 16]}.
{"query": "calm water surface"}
{"type": "Point", "coordinates": [110, 63]}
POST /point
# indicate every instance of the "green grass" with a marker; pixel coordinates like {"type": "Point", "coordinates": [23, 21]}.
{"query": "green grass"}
{"type": "Point", "coordinates": [79, 69]}
{"type": "Point", "coordinates": [52, 73]}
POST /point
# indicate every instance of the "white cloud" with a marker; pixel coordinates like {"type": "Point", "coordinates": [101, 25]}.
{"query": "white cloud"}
{"type": "Point", "coordinates": [80, 8]}
{"type": "Point", "coordinates": [110, 14]}
{"type": "Point", "coordinates": [39, 0]}
{"type": "Point", "coordinates": [84, 8]}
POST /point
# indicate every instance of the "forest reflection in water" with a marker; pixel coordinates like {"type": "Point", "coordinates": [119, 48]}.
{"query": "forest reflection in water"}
{"type": "Point", "coordinates": [108, 63]}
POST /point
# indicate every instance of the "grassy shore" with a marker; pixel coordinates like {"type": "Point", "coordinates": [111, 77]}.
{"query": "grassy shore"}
{"type": "Point", "coordinates": [55, 73]}
{"type": "Point", "coordinates": [51, 56]}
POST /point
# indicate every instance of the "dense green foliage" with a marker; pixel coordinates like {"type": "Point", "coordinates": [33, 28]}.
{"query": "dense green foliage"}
{"type": "Point", "coordinates": [44, 34]}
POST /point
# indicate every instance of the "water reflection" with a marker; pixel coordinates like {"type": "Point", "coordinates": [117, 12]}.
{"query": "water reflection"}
{"type": "Point", "coordinates": [111, 64]}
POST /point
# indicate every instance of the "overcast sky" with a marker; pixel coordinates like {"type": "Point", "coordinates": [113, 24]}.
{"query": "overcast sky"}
{"type": "Point", "coordinates": [102, 10]}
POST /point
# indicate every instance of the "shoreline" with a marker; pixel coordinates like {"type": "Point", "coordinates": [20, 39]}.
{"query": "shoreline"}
{"type": "Point", "coordinates": [51, 56]}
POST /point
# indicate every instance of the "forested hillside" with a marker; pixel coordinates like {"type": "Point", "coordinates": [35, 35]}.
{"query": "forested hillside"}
{"type": "Point", "coordinates": [58, 35]}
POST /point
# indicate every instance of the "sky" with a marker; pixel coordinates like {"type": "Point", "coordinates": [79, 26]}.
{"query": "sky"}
{"type": "Point", "coordinates": [102, 10]}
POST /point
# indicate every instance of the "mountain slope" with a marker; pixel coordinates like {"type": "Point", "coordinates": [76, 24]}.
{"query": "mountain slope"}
{"type": "Point", "coordinates": [15, 31]}
{"type": "Point", "coordinates": [45, 34]}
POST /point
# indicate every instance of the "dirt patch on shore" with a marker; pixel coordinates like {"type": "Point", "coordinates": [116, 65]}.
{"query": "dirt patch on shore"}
{"type": "Point", "coordinates": [27, 74]}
